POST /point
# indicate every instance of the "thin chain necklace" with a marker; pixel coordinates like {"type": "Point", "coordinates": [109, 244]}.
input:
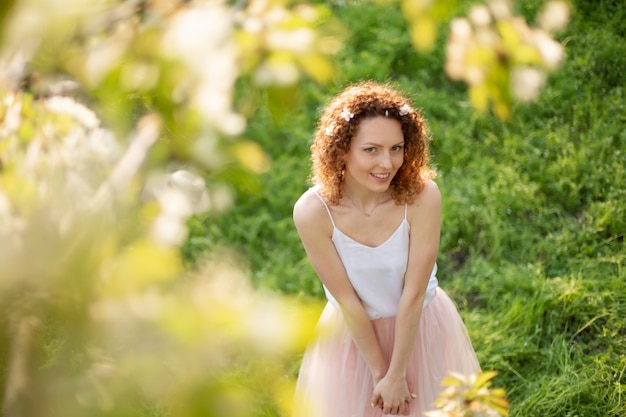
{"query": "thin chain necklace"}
{"type": "Point", "coordinates": [361, 210]}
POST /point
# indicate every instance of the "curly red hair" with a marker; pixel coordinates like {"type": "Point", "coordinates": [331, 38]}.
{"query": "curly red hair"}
{"type": "Point", "coordinates": [339, 123]}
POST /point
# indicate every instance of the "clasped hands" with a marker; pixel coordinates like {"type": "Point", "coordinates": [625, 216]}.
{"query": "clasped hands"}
{"type": "Point", "coordinates": [392, 396]}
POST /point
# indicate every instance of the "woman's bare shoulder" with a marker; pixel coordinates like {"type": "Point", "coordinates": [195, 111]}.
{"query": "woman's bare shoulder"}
{"type": "Point", "coordinates": [309, 210]}
{"type": "Point", "coordinates": [429, 198]}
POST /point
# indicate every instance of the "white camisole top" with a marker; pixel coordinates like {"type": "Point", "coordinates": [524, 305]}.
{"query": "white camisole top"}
{"type": "Point", "coordinates": [377, 273]}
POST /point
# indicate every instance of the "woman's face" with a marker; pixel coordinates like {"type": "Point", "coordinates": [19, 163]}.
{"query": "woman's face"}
{"type": "Point", "coordinates": [376, 153]}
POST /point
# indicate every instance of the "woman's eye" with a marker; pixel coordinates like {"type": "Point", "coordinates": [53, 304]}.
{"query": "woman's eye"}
{"type": "Point", "coordinates": [397, 148]}
{"type": "Point", "coordinates": [370, 150]}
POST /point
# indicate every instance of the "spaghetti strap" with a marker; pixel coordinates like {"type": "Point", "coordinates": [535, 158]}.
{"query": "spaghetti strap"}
{"type": "Point", "coordinates": [326, 206]}
{"type": "Point", "coordinates": [405, 210]}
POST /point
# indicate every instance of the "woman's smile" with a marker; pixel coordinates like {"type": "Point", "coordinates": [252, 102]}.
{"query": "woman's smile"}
{"type": "Point", "coordinates": [381, 177]}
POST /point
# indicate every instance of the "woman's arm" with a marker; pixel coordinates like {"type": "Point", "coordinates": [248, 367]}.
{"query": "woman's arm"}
{"type": "Point", "coordinates": [315, 230]}
{"type": "Point", "coordinates": [425, 220]}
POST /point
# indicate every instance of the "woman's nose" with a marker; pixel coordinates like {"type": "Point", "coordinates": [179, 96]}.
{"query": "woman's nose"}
{"type": "Point", "coordinates": [385, 160]}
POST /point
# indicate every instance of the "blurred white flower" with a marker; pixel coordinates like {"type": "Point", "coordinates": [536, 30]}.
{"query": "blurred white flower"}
{"type": "Point", "coordinates": [194, 189]}
{"type": "Point", "coordinates": [102, 146]}
{"type": "Point", "coordinates": [213, 98]}
{"type": "Point", "coordinates": [232, 124]}
{"type": "Point", "coordinates": [169, 230]}
{"type": "Point", "coordinates": [250, 24]}
{"type": "Point", "coordinates": [306, 12]}
{"type": "Point", "coordinates": [12, 118]}
{"type": "Point", "coordinates": [276, 73]}
{"type": "Point", "coordinates": [273, 14]}
{"type": "Point", "coordinates": [487, 38]}
{"type": "Point", "coordinates": [297, 41]}
{"type": "Point", "coordinates": [474, 74]}
{"type": "Point", "coordinates": [103, 56]}
{"type": "Point", "coordinates": [195, 30]}
{"type": "Point", "coordinates": [201, 37]}
{"type": "Point", "coordinates": [460, 29]}
{"type": "Point", "coordinates": [455, 59]}
{"type": "Point", "coordinates": [501, 9]}
{"type": "Point", "coordinates": [69, 106]}
{"type": "Point", "coordinates": [180, 195]}
{"type": "Point", "coordinates": [551, 51]}
{"type": "Point", "coordinates": [526, 83]}
{"type": "Point", "coordinates": [554, 16]}
{"type": "Point", "coordinates": [462, 39]}
{"type": "Point", "coordinates": [479, 15]}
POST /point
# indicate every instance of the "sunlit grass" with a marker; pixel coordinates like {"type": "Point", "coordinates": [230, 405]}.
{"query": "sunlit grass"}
{"type": "Point", "coordinates": [534, 217]}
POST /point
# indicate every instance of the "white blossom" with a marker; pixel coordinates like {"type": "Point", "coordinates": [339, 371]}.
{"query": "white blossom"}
{"type": "Point", "coordinates": [347, 116]}
{"type": "Point", "coordinates": [479, 15]}
{"type": "Point", "coordinates": [526, 83]}
{"type": "Point", "coordinates": [296, 41]}
{"type": "Point", "coordinates": [281, 73]}
{"type": "Point", "coordinates": [193, 187]}
{"type": "Point", "coordinates": [554, 16]}
{"type": "Point", "coordinates": [552, 52]}
{"type": "Point", "coordinates": [404, 110]}
{"type": "Point", "coordinates": [80, 113]}
{"type": "Point", "coordinates": [501, 9]}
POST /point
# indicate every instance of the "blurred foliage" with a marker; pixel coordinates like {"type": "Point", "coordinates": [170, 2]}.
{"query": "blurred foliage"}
{"type": "Point", "coordinates": [425, 17]}
{"type": "Point", "coordinates": [470, 396]}
{"type": "Point", "coordinates": [102, 106]}
{"type": "Point", "coordinates": [500, 57]}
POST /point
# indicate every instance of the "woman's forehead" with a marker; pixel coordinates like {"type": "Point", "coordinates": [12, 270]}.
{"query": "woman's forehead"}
{"type": "Point", "coordinates": [379, 130]}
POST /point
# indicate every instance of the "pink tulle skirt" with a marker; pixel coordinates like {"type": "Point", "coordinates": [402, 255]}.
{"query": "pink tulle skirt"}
{"type": "Point", "coordinates": [334, 380]}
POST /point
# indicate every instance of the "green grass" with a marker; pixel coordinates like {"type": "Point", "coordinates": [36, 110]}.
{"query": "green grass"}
{"type": "Point", "coordinates": [534, 217]}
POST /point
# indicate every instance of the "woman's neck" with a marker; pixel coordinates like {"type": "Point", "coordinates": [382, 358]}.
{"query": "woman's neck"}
{"type": "Point", "coordinates": [365, 202]}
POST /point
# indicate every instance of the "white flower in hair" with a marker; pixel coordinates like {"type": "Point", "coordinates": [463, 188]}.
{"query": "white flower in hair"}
{"type": "Point", "coordinates": [404, 110]}
{"type": "Point", "coordinates": [346, 115]}
{"type": "Point", "coordinates": [329, 130]}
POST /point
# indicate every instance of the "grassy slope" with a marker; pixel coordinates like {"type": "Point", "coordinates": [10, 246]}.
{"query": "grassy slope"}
{"type": "Point", "coordinates": [534, 218]}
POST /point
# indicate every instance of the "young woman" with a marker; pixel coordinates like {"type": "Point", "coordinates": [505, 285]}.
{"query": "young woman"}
{"type": "Point", "coordinates": [370, 227]}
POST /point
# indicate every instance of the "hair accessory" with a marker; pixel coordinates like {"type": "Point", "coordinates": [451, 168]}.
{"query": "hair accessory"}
{"type": "Point", "coordinates": [347, 115]}
{"type": "Point", "coordinates": [329, 130]}
{"type": "Point", "coordinates": [404, 110]}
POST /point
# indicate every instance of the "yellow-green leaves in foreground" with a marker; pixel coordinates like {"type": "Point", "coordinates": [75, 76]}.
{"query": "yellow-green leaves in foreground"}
{"type": "Point", "coordinates": [500, 57]}
{"type": "Point", "coordinates": [470, 396]}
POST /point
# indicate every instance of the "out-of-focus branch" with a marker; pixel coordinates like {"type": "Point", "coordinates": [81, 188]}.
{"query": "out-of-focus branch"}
{"type": "Point", "coordinates": [19, 376]}
{"type": "Point", "coordinates": [146, 135]}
